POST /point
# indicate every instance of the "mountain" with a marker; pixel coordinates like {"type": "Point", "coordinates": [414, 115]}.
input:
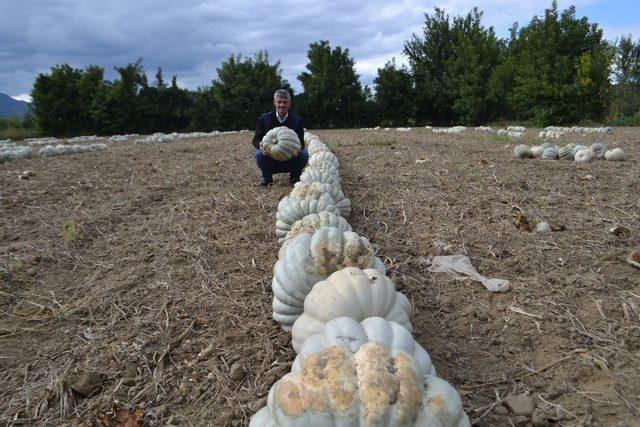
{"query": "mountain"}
{"type": "Point", "coordinates": [10, 107]}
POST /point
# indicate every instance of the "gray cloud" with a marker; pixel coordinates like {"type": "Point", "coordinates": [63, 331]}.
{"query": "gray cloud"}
{"type": "Point", "coordinates": [191, 38]}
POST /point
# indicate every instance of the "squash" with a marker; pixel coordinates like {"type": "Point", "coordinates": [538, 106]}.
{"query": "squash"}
{"type": "Point", "coordinates": [369, 388]}
{"type": "Point", "coordinates": [325, 167]}
{"type": "Point", "coordinates": [313, 222]}
{"type": "Point", "coordinates": [579, 147]}
{"type": "Point", "coordinates": [584, 156]}
{"type": "Point", "coordinates": [323, 157]}
{"type": "Point", "coordinates": [616, 155]}
{"type": "Point", "coordinates": [310, 258]}
{"type": "Point", "coordinates": [522, 152]}
{"type": "Point", "coordinates": [565, 153]}
{"type": "Point", "coordinates": [550, 153]}
{"type": "Point", "coordinates": [536, 151]}
{"type": "Point", "coordinates": [317, 175]}
{"type": "Point", "coordinates": [281, 143]}
{"type": "Point", "coordinates": [347, 333]}
{"type": "Point", "coordinates": [340, 200]}
{"type": "Point", "coordinates": [599, 149]}
{"type": "Point", "coordinates": [354, 293]}
{"type": "Point", "coordinates": [292, 209]}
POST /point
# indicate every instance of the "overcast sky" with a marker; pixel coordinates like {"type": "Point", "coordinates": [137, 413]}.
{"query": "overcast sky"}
{"type": "Point", "coordinates": [190, 38]}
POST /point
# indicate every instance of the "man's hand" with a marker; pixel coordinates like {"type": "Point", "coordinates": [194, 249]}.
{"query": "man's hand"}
{"type": "Point", "coordinates": [264, 152]}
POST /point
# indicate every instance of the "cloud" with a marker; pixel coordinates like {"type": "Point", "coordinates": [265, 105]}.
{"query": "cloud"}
{"type": "Point", "coordinates": [191, 38]}
{"type": "Point", "coordinates": [23, 97]}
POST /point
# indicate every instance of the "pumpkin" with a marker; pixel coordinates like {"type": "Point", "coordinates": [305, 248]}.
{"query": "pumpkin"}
{"type": "Point", "coordinates": [522, 151]}
{"type": "Point", "coordinates": [347, 333]}
{"type": "Point", "coordinates": [310, 258]}
{"type": "Point", "coordinates": [369, 388]}
{"type": "Point", "coordinates": [323, 157]}
{"type": "Point", "coordinates": [550, 153]}
{"type": "Point", "coordinates": [340, 200]}
{"type": "Point", "coordinates": [599, 149]}
{"type": "Point", "coordinates": [616, 155]}
{"type": "Point", "coordinates": [584, 156]}
{"type": "Point", "coordinates": [313, 222]}
{"type": "Point", "coordinates": [536, 151]}
{"type": "Point", "coordinates": [325, 167]}
{"type": "Point", "coordinates": [565, 153]}
{"type": "Point", "coordinates": [579, 147]}
{"type": "Point", "coordinates": [291, 209]}
{"type": "Point", "coordinates": [354, 293]}
{"type": "Point", "coordinates": [317, 175]}
{"type": "Point", "coordinates": [281, 143]}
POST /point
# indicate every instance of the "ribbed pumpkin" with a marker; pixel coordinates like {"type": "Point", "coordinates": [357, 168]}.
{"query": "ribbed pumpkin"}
{"type": "Point", "coordinates": [347, 333]}
{"type": "Point", "coordinates": [317, 175]}
{"type": "Point", "coordinates": [550, 153]}
{"type": "Point", "coordinates": [354, 293]}
{"type": "Point", "coordinates": [599, 149]}
{"type": "Point", "coordinates": [522, 152]}
{"type": "Point", "coordinates": [565, 153]}
{"type": "Point", "coordinates": [584, 156]}
{"type": "Point", "coordinates": [579, 147]}
{"type": "Point", "coordinates": [323, 157]}
{"type": "Point", "coordinates": [281, 143]}
{"type": "Point", "coordinates": [292, 209]}
{"type": "Point", "coordinates": [536, 151]}
{"type": "Point", "coordinates": [313, 222]}
{"type": "Point", "coordinates": [310, 258]}
{"type": "Point", "coordinates": [340, 200]}
{"type": "Point", "coordinates": [372, 387]}
{"type": "Point", "coordinates": [615, 155]}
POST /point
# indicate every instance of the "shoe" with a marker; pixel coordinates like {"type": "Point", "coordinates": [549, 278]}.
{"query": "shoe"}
{"type": "Point", "coordinates": [265, 183]}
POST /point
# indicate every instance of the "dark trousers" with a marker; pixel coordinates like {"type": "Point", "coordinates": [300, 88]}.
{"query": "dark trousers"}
{"type": "Point", "coordinates": [269, 166]}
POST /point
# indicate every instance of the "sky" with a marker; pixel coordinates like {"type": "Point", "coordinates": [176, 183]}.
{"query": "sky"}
{"type": "Point", "coordinates": [190, 38]}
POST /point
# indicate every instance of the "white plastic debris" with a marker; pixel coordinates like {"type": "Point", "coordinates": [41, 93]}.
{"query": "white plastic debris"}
{"type": "Point", "coordinates": [459, 267]}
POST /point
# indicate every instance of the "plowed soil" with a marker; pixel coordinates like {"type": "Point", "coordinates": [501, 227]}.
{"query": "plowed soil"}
{"type": "Point", "coordinates": [120, 267]}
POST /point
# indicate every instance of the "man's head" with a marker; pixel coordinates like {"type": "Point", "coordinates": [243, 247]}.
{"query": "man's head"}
{"type": "Point", "coordinates": [282, 101]}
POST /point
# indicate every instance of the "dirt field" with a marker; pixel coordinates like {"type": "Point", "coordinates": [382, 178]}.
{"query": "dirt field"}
{"type": "Point", "coordinates": [119, 267]}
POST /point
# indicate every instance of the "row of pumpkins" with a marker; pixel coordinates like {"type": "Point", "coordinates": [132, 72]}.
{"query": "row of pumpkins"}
{"type": "Point", "coordinates": [357, 363]}
{"type": "Point", "coordinates": [579, 153]}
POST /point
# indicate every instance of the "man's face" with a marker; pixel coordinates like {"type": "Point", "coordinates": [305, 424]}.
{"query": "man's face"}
{"type": "Point", "coordinates": [282, 106]}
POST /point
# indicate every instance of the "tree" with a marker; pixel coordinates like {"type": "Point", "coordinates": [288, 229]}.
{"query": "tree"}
{"type": "Point", "coordinates": [475, 52]}
{"type": "Point", "coordinates": [561, 69]}
{"type": "Point", "coordinates": [333, 95]}
{"type": "Point", "coordinates": [428, 58]}
{"type": "Point", "coordinates": [395, 94]}
{"type": "Point", "coordinates": [626, 69]}
{"type": "Point", "coordinates": [55, 103]}
{"type": "Point", "coordinates": [244, 89]}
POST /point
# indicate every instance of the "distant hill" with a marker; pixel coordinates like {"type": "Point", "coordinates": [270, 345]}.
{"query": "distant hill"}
{"type": "Point", "coordinates": [10, 107]}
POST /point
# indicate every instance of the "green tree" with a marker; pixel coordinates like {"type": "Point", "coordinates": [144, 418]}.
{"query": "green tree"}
{"type": "Point", "coordinates": [244, 89]}
{"type": "Point", "coordinates": [55, 101]}
{"type": "Point", "coordinates": [626, 69]}
{"type": "Point", "coordinates": [333, 95]}
{"type": "Point", "coordinates": [428, 56]}
{"type": "Point", "coordinates": [394, 94]}
{"type": "Point", "coordinates": [475, 52]}
{"type": "Point", "coordinates": [561, 69]}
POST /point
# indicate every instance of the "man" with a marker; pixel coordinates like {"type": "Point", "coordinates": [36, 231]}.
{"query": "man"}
{"type": "Point", "coordinates": [267, 121]}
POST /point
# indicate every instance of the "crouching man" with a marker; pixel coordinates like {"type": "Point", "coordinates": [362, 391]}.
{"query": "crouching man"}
{"type": "Point", "coordinates": [267, 121]}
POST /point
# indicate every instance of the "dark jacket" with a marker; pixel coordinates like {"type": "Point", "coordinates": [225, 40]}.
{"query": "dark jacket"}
{"type": "Point", "coordinates": [268, 121]}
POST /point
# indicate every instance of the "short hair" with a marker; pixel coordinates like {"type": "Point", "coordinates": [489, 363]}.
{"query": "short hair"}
{"type": "Point", "coordinates": [282, 93]}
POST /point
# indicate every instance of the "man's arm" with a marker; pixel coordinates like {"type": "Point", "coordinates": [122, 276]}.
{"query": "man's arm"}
{"type": "Point", "coordinates": [260, 133]}
{"type": "Point", "coordinates": [300, 131]}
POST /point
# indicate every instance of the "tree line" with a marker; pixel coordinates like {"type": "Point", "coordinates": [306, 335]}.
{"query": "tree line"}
{"type": "Point", "coordinates": [556, 70]}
